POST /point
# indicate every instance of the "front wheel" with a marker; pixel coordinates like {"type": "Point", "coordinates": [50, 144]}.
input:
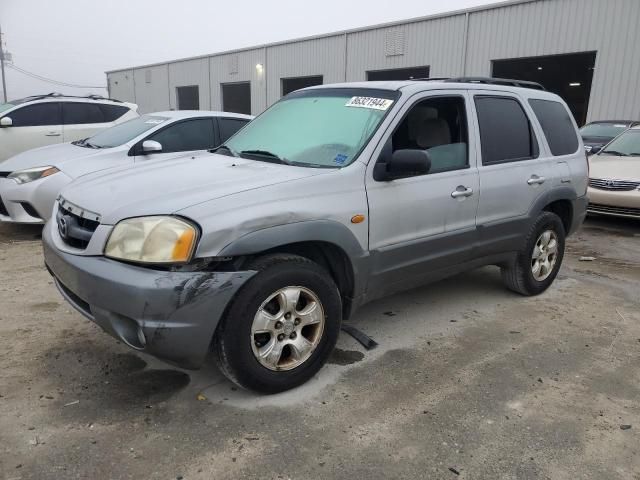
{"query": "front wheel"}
{"type": "Point", "coordinates": [537, 264]}
{"type": "Point", "coordinates": [282, 325]}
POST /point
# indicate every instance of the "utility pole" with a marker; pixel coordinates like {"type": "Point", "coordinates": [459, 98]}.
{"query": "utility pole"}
{"type": "Point", "coordinates": [4, 81]}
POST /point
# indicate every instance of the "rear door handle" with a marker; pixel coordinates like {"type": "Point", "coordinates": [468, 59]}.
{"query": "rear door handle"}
{"type": "Point", "coordinates": [52, 134]}
{"type": "Point", "coordinates": [536, 180]}
{"type": "Point", "coordinates": [461, 192]}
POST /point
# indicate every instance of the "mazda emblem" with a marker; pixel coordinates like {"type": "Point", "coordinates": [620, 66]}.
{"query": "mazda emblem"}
{"type": "Point", "coordinates": [63, 227]}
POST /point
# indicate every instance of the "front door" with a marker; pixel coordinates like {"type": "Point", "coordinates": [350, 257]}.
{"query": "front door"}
{"type": "Point", "coordinates": [35, 125]}
{"type": "Point", "coordinates": [424, 224]}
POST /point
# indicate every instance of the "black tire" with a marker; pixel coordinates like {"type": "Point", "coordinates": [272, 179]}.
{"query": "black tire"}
{"type": "Point", "coordinates": [517, 275]}
{"type": "Point", "coordinates": [232, 343]}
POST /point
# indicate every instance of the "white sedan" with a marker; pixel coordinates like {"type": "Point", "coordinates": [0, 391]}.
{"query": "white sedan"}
{"type": "Point", "coordinates": [30, 181]}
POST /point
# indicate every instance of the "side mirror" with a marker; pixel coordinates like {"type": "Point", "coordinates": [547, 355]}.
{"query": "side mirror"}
{"type": "Point", "coordinates": [151, 146]}
{"type": "Point", "coordinates": [595, 150]}
{"type": "Point", "coordinates": [402, 164]}
{"type": "Point", "coordinates": [6, 122]}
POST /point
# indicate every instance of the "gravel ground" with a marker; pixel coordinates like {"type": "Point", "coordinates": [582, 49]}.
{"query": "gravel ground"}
{"type": "Point", "coordinates": [469, 381]}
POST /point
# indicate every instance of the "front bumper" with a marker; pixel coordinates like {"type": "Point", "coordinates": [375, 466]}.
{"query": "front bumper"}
{"type": "Point", "coordinates": [170, 315]}
{"type": "Point", "coordinates": [30, 202]}
{"type": "Point", "coordinates": [615, 203]}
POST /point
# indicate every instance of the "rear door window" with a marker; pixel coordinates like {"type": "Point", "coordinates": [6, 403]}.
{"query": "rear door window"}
{"type": "Point", "coordinates": [506, 134]}
{"type": "Point", "coordinates": [229, 126]}
{"type": "Point", "coordinates": [113, 112]}
{"type": "Point", "coordinates": [184, 136]}
{"type": "Point", "coordinates": [77, 113]}
{"type": "Point", "coordinates": [36, 115]}
{"type": "Point", "coordinates": [557, 126]}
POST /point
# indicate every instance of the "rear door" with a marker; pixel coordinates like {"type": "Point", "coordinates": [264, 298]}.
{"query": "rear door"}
{"type": "Point", "coordinates": [513, 169]}
{"type": "Point", "coordinates": [227, 127]}
{"type": "Point", "coordinates": [181, 137]}
{"type": "Point", "coordinates": [35, 125]}
{"type": "Point", "coordinates": [82, 119]}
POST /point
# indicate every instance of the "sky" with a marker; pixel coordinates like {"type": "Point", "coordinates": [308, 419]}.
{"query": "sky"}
{"type": "Point", "coordinates": [76, 41]}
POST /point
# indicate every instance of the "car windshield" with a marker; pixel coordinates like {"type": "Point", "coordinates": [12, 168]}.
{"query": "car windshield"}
{"type": "Point", "coordinates": [6, 106]}
{"type": "Point", "coordinates": [322, 128]}
{"type": "Point", "coordinates": [626, 145]}
{"type": "Point", "coordinates": [607, 130]}
{"type": "Point", "coordinates": [124, 132]}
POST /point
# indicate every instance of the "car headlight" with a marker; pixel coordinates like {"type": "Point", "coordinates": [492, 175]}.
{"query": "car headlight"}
{"type": "Point", "coordinates": [152, 240]}
{"type": "Point", "coordinates": [31, 174]}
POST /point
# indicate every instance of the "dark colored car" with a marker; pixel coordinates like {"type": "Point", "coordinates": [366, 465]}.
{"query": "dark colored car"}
{"type": "Point", "coordinates": [598, 134]}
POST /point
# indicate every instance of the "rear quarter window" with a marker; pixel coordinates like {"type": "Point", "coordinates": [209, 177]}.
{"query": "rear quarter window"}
{"type": "Point", "coordinates": [557, 126]}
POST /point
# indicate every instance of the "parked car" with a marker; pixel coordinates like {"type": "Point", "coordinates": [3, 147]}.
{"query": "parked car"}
{"type": "Point", "coordinates": [614, 177]}
{"type": "Point", "coordinates": [335, 196]}
{"type": "Point", "coordinates": [30, 182]}
{"type": "Point", "coordinates": [596, 135]}
{"type": "Point", "coordinates": [54, 118]}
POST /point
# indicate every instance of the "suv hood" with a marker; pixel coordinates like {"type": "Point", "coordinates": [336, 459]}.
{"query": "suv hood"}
{"type": "Point", "coordinates": [163, 188]}
{"type": "Point", "coordinates": [71, 159]}
{"type": "Point", "coordinates": [615, 168]}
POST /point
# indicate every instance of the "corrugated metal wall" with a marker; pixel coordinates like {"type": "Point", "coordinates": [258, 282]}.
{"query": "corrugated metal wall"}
{"type": "Point", "coordinates": [549, 27]}
{"type": "Point", "coordinates": [322, 56]}
{"type": "Point", "coordinates": [190, 72]}
{"type": "Point", "coordinates": [460, 44]}
{"type": "Point", "coordinates": [238, 67]}
{"type": "Point", "coordinates": [435, 43]}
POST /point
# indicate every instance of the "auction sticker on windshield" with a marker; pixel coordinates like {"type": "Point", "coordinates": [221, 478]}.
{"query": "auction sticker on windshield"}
{"type": "Point", "coordinates": [370, 102]}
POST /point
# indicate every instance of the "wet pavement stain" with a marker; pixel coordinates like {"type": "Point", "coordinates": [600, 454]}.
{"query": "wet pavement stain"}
{"type": "Point", "coordinates": [345, 357]}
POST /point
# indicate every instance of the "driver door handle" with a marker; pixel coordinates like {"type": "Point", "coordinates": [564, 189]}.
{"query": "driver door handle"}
{"type": "Point", "coordinates": [536, 180]}
{"type": "Point", "coordinates": [52, 134]}
{"type": "Point", "coordinates": [461, 192]}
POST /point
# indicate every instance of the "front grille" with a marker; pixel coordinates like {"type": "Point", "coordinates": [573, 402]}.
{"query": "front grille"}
{"type": "Point", "coordinates": [611, 210]}
{"type": "Point", "coordinates": [3, 209]}
{"type": "Point", "coordinates": [75, 231]}
{"type": "Point", "coordinates": [4, 174]}
{"type": "Point", "coordinates": [616, 185]}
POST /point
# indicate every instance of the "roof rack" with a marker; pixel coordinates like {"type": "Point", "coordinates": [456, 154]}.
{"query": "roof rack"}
{"type": "Point", "coordinates": [57, 94]}
{"type": "Point", "coordinates": [498, 81]}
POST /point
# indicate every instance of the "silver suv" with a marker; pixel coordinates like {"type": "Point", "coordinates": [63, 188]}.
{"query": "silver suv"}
{"type": "Point", "coordinates": [335, 196]}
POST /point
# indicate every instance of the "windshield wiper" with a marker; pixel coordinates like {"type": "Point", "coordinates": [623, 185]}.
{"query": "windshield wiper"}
{"type": "Point", "coordinates": [272, 157]}
{"type": "Point", "coordinates": [85, 143]}
{"type": "Point", "coordinates": [613, 152]}
{"type": "Point", "coordinates": [223, 148]}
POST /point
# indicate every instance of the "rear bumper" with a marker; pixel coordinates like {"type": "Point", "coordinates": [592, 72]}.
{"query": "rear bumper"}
{"type": "Point", "coordinates": [579, 214]}
{"type": "Point", "coordinates": [170, 315]}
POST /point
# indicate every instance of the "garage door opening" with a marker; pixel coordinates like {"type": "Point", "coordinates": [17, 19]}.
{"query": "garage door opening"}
{"type": "Point", "coordinates": [292, 84]}
{"type": "Point", "coordinates": [236, 97]}
{"type": "Point", "coordinates": [188, 97]}
{"type": "Point", "coordinates": [568, 75]}
{"type": "Point", "coordinates": [398, 74]}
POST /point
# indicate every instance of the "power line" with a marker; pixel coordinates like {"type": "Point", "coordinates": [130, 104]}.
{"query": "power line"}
{"type": "Point", "coordinates": [50, 80]}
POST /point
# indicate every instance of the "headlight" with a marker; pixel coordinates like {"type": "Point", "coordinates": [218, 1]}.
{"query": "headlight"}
{"type": "Point", "coordinates": [31, 174]}
{"type": "Point", "coordinates": [152, 240]}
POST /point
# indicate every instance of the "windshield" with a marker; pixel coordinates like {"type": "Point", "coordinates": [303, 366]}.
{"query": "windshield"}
{"type": "Point", "coordinates": [6, 106]}
{"type": "Point", "coordinates": [627, 144]}
{"type": "Point", "coordinates": [608, 130]}
{"type": "Point", "coordinates": [315, 128]}
{"type": "Point", "coordinates": [124, 132]}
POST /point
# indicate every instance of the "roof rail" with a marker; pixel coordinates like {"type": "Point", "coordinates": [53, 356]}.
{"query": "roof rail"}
{"type": "Point", "coordinates": [56, 95]}
{"type": "Point", "coordinates": [498, 81]}
{"type": "Point", "coordinates": [432, 79]}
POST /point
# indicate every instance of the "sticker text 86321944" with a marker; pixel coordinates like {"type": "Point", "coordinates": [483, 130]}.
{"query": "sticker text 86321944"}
{"type": "Point", "coordinates": [370, 102]}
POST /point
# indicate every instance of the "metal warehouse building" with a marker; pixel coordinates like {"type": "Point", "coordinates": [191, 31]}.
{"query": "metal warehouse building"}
{"type": "Point", "coordinates": [585, 50]}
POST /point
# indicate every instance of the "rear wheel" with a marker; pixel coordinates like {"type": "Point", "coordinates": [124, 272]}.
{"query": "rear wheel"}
{"type": "Point", "coordinates": [537, 264]}
{"type": "Point", "coordinates": [282, 325]}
